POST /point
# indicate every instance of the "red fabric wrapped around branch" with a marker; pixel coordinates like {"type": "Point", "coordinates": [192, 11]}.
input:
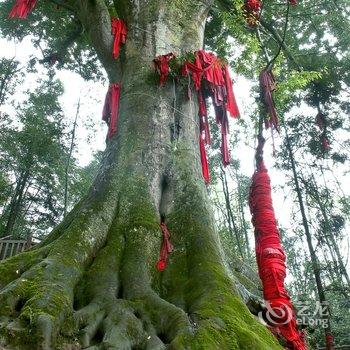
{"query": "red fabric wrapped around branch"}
{"type": "Point", "coordinates": [119, 30]}
{"type": "Point", "coordinates": [271, 258]}
{"type": "Point", "coordinates": [165, 249]}
{"type": "Point", "coordinates": [267, 87]}
{"type": "Point", "coordinates": [22, 8]}
{"type": "Point", "coordinates": [111, 108]}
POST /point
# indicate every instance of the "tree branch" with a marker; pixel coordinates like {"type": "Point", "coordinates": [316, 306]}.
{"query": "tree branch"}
{"type": "Point", "coordinates": [64, 46]}
{"type": "Point", "coordinates": [95, 18]}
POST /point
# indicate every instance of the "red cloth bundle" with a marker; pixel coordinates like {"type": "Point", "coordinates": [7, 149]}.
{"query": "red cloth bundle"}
{"type": "Point", "coordinates": [271, 258]}
{"type": "Point", "coordinates": [267, 87]}
{"type": "Point", "coordinates": [161, 64]}
{"type": "Point", "coordinates": [165, 249]}
{"type": "Point", "coordinates": [252, 10]}
{"type": "Point", "coordinates": [22, 8]}
{"type": "Point", "coordinates": [111, 108]}
{"type": "Point", "coordinates": [119, 30]}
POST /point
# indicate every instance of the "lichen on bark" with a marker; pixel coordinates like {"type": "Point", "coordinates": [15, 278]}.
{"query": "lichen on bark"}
{"type": "Point", "coordinates": [92, 284]}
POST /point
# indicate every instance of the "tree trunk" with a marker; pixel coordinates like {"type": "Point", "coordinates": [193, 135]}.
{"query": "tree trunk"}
{"type": "Point", "coordinates": [16, 203]}
{"type": "Point", "coordinates": [314, 260]}
{"type": "Point", "coordinates": [94, 277]}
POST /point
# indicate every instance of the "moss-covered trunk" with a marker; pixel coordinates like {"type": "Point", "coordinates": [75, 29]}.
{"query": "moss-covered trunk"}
{"type": "Point", "coordinates": [93, 282]}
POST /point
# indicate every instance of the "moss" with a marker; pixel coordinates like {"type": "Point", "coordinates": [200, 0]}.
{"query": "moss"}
{"type": "Point", "coordinates": [247, 283]}
{"type": "Point", "coordinates": [12, 268]}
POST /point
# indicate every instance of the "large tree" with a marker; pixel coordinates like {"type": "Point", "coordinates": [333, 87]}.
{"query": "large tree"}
{"type": "Point", "coordinates": [95, 273]}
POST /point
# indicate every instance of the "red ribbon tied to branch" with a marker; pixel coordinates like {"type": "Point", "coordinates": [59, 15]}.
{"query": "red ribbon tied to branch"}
{"type": "Point", "coordinates": [111, 108]}
{"type": "Point", "coordinates": [119, 30]}
{"type": "Point", "coordinates": [22, 8]}
{"type": "Point", "coordinates": [161, 64]}
{"type": "Point", "coordinates": [271, 258]}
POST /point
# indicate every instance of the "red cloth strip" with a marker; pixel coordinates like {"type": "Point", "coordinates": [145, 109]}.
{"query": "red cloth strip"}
{"type": "Point", "coordinates": [111, 108]}
{"type": "Point", "coordinates": [204, 160]}
{"type": "Point", "coordinates": [166, 248]}
{"type": "Point", "coordinates": [22, 8]}
{"type": "Point", "coordinates": [203, 118]}
{"type": "Point", "coordinates": [231, 104]}
{"type": "Point", "coordinates": [267, 87]}
{"type": "Point", "coordinates": [211, 78]}
{"type": "Point", "coordinates": [161, 65]}
{"type": "Point", "coordinates": [119, 30]}
{"type": "Point", "coordinates": [271, 258]}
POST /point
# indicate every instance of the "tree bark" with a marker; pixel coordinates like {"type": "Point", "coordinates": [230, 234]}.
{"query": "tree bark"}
{"type": "Point", "coordinates": [94, 277]}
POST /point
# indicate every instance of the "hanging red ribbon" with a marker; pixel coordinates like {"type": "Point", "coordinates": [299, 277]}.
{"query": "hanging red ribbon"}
{"type": "Point", "coordinates": [22, 8]}
{"type": "Point", "coordinates": [271, 258]}
{"type": "Point", "coordinates": [231, 104]}
{"type": "Point", "coordinates": [321, 122]}
{"type": "Point", "coordinates": [119, 30]}
{"type": "Point", "coordinates": [161, 64]}
{"type": "Point", "coordinates": [165, 249]}
{"type": "Point", "coordinates": [203, 118]}
{"type": "Point", "coordinates": [111, 108]}
{"type": "Point", "coordinates": [325, 143]}
{"type": "Point", "coordinates": [211, 78]}
{"type": "Point", "coordinates": [267, 87]}
{"type": "Point", "coordinates": [204, 160]}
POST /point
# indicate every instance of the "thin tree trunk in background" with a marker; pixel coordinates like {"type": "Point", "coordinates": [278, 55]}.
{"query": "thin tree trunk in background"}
{"type": "Point", "coordinates": [333, 245]}
{"type": "Point", "coordinates": [314, 260]}
{"type": "Point", "coordinates": [16, 203]}
{"type": "Point", "coordinates": [241, 212]}
{"type": "Point", "coordinates": [231, 219]}
{"type": "Point", "coordinates": [69, 159]}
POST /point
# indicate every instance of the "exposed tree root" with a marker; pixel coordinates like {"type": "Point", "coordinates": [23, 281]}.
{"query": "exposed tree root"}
{"type": "Point", "coordinates": [97, 283]}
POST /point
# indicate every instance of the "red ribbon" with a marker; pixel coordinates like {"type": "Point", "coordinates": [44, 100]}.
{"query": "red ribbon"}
{"type": "Point", "coordinates": [252, 10]}
{"type": "Point", "coordinates": [204, 160]}
{"type": "Point", "coordinates": [203, 118]}
{"type": "Point", "coordinates": [119, 30]}
{"type": "Point", "coordinates": [329, 341]}
{"type": "Point", "coordinates": [267, 87]}
{"type": "Point", "coordinates": [111, 108]}
{"type": "Point", "coordinates": [211, 78]}
{"type": "Point", "coordinates": [166, 248]}
{"type": "Point", "coordinates": [325, 143]}
{"type": "Point", "coordinates": [22, 8]}
{"type": "Point", "coordinates": [161, 64]}
{"type": "Point", "coordinates": [231, 104]}
{"type": "Point", "coordinates": [271, 258]}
